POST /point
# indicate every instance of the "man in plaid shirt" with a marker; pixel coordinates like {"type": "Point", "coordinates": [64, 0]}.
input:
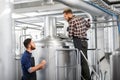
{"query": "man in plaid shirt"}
{"type": "Point", "coordinates": [77, 29]}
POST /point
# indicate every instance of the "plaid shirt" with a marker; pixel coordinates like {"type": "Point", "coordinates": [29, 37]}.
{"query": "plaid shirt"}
{"type": "Point", "coordinates": [78, 27]}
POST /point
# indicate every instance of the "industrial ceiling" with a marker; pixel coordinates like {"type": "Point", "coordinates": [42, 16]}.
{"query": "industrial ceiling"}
{"type": "Point", "coordinates": [31, 11]}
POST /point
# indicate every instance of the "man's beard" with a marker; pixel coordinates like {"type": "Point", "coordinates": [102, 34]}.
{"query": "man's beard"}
{"type": "Point", "coordinates": [33, 48]}
{"type": "Point", "coordinates": [69, 18]}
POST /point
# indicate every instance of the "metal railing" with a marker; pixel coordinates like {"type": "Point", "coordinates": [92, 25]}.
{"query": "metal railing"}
{"type": "Point", "coordinates": [99, 75]}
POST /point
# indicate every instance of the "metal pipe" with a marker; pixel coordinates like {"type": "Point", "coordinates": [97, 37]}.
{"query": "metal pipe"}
{"type": "Point", "coordinates": [114, 30]}
{"type": "Point", "coordinates": [104, 21]}
{"type": "Point", "coordinates": [95, 19]}
{"type": "Point", "coordinates": [32, 28]}
{"type": "Point", "coordinates": [27, 28]}
{"type": "Point", "coordinates": [50, 26]}
{"type": "Point", "coordinates": [105, 75]}
{"type": "Point", "coordinates": [28, 23]}
{"type": "Point", "coordinates": [111, 3]}
{"type": "Point", "coordinates": [7, 52]}
{"type": "Point", "coordinates": [96, 51]}
{"type": "Point", "coordinates": [52, 13]}
{"type": "Point", "coordinates": [82, 5]}
{"type": "Point", "coordinates": [46, 25]}
{"type": "Point", "coordinates": [118, 23]}
{"type": "Point", "coordinates": [104, 26]}
{"type": "Point", "coordinates": [53, 29]}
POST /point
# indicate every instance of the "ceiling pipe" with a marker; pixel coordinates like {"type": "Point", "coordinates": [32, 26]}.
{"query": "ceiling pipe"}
{"type": "Point", "coordinates": [28, 23]}
{"type": "Point", "coordinates": [111, 3]}
{"type": "Point", "coordinates": [79, 4]}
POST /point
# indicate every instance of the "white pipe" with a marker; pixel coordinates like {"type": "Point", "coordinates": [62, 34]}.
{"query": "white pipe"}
{"type": "Point", "coordinates": [79, 4]}
{"type": "Point", "coordinates": [7, 61]}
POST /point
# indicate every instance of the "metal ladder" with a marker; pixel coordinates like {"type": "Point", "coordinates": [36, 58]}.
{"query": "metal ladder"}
{"type": "Point", "coordinates": [100, 75]}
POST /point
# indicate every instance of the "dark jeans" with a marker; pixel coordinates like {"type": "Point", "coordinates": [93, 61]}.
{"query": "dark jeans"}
{"type": "Point", "coordinates": [83, 45]}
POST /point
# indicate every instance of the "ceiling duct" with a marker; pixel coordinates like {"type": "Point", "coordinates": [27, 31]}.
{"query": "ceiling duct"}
{"type": "Point", "coordinates": [35, 3]}
{"type": "Point", "coordinates": [79, 4]}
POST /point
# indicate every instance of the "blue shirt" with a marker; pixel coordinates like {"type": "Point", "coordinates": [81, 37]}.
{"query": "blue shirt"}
{"type": "Point", "coordinates": [27, 61]}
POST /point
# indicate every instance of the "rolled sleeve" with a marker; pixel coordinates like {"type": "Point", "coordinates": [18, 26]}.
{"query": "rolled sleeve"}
{"type": "Point", "coordinates": [28, 66]}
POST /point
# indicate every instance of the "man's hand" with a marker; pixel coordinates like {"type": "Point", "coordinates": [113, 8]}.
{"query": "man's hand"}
{"type": "Point", "coordinates": [37, 67]}
{"type": "Point", "coordinates": [42, 64]}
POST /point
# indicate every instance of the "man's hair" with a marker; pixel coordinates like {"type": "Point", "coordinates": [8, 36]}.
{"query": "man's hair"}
{"type": "Point", "coordinates": [27, 42]}
{"type": "Point", "coordinates": [67, 10]}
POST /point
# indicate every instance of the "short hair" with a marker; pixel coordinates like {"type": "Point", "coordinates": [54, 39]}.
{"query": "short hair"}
{"type": "Point", "coordinates": [27, 42]}
{"type": "Point", "coordinates": [67, 10]}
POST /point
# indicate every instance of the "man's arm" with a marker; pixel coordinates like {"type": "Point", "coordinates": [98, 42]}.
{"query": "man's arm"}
{"type": "Point", "coordinates": [37, 67]}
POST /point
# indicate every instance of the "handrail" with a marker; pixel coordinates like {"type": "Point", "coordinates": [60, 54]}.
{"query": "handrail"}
{"type": "Point", "coordinates": [97, 75]}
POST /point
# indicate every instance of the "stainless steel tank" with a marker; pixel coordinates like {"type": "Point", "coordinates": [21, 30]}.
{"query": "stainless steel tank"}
{"type": "Point", "coordinates": [115, 65]}
{"type": "Point", "coordinates": [60, 56]}
{"type": "Point", "coordinates": [61, 60]}
{"type": "Point", "coordinates": [7, 52]}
